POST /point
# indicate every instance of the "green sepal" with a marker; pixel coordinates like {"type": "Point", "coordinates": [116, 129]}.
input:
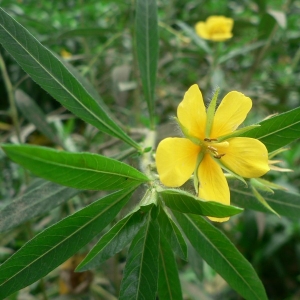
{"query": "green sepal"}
{"type": "Point", "coordinates": [262, 200]}
{"type": "Point", "coordinates": [270, 185]}
{"type": "Point", "coordinates": [196, 179]}
{"type": "Point", "coordinates": [186, 133]}
{"type": "Point", "coordinates": [223, 166]}
{"type": "Point", "coordinates": [237, 132]}
{"type": "Point", "coordinates": [211, 113]}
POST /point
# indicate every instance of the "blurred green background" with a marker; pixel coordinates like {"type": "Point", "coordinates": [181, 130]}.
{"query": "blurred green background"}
{"type": "Point", "coordinates": [96, 37]}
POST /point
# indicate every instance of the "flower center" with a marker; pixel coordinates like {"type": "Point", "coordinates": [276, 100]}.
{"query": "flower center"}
{"type": "Point", "coordinates": [212, 146]}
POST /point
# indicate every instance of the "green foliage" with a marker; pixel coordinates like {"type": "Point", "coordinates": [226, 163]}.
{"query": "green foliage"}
{"type": "Point", "coordinates": [54, 245]}
{"type": "Point", "coordinates": [162, 232]}
{"type": "Point", "coordinates": [186, 203]}
{"type": "Point", "coordinates": [278, 131]}
{"type": "Point", "coordinates": [77, 170]}
{"type": "Point", "coordinates": [146, 28]}
{"type": "Point", "coordinates": [54, 77]}
{"type": "Point", "coordinates": [221, 254]}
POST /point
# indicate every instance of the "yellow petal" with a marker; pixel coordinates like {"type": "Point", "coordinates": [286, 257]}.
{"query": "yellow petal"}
{"type": "Point", "coordinates": [201, 30]}
{"type": "Point", "coordinates": [246, 157]}
{"type": "Point", "coordinates": [231, 112]}
{"type": "Point", "coordinates": [213, 184]}
{"type": "Point", "coordinates": [191, 112]}
{"type": "Point", "coordinates": [219, 37]}
{"type": "Point", "coordinates": [219, 22]}
{"type": "Point", "coordinates": [176, 160]}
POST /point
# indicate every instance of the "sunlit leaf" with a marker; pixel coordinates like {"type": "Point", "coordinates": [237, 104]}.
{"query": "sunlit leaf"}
{"type": "Point", "coordinates": [49, 72]}
{"type": "Point", "coordinates": [218, 251]}
{"type": "Point", "coordinates": [113, 241]}
{"type": "Point", "coordinates": [41, 196]}
{"type": "Point", "coordinates": [77, 170]}
{"type": "Point", "coordinates": [187, 203]}
{"type": "Point", "coordinates": [56, 244]}
{"type": "Point", "coordinates": [168, 280]}
{"type": "Point", "coordinates": [278, 131]}
{"type": "Point", "coordinates": [141, 269]}
{"type": "Point", "coordinates": [173, 235]}
{"type": "Point", "coordinates": [146, 29]}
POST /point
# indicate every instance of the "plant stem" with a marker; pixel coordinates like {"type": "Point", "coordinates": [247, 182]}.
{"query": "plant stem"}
{"type": "Point", "coordinates": [147, 158]}
{"type": "Point", "coordinates": [11, 98]}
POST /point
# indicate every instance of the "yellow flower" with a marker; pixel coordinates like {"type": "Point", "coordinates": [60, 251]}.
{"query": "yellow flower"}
{"type": "Point", "coordinates": [65, 54]}
{"type": "Point", "coordinates": [209, 147]}
{"type": "Point", "coordinates": [216, 28]}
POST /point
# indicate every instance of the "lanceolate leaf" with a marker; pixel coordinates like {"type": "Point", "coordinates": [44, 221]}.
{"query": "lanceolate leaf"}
{"type": "Point", "coordinates": [56, 244]}
{"type": "Point", "coordinates": [77, 170]}
{"type": "Point", "coordinates": [221, 255]}
{"type": "Point", "coordinates": [147, 48]}
{"type": "Point", "coordinates": [141, 270]}
{"type": "Point", "coordinates": [40, 197]}
{"type": "Point", "coordinates": [186, 203]}
{"type": "Point", "coordinates": [54, 77]}
{"type": "Point", "coordinates": [172, 234]}
{"type": "Point", "coordinates": [168, 279]}
{"type": "Point", "coordinates": [278, 131]}
{"type": "Point", "coordinates": [190, 32]}
{"type": "Point", "coordinates": [113, 241]}
{"type": "Point", "coordinates": [32, 112]}
{"type": "Point", "coordinates": [284, 203]}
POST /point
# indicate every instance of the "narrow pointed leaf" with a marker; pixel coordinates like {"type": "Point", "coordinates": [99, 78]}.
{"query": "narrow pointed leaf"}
{"type": "Point", "coordinates": [77, 170]}
{"type": "Point", "coordinates": [186, 203]}
{"type": "Point", "coordinates": [113, 241]}
{"type": "Point", "coordinates": [40, 197]}
{"type": "Point", "coordinates": [173, 235]}
{"type": "Point", "coordinates": [141, 270]}
{"type": "Point", "coordinates": [53, 246]}
{"type": "Point", "coordinates": [190, 32]}
{"type": "Point", "coordinates": [221, 255]}
{"type": "Point", "coordinates": [283, 202]}
{"type": "Point", "coordinates": [32, 112]}
{"type": "Point", "coordinates": [168, 280]}
{"type": "Point", "coordinates": [147, 48]}
{"type": "Point", "coordinates": [54, 77]}
{"type": "Point", "coordinates": [241, 51]}
{"type": "Point", "coordinates": [278, 131]}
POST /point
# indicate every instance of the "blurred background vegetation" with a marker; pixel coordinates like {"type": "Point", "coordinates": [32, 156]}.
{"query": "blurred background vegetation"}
{"type": "Point", "coordinates": [96, 37]}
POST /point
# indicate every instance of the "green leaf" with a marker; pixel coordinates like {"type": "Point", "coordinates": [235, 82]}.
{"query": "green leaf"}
{"type": "Point", "coordinates": [186, 203]}
{"type": "Point", "coordinates": [146, 28]}
{"type": "Point", "coordinates": [221, 255]}
{"type": "Point", "coordinates": [190, 32]}
{"type": "Point", "coordinates": [53, 246]}
{"type": "Point", "coordinates": [51, 74]}
{"type": "Point", "coordinates": [141, 270]}
{"type": "Point", "coordinates": [32, 112]}
{"type": "Point", "coordinates": [283, 202]}
{"type": "Point", "coordinates": [78, 170]}
{"type": "Point", "coordinates": [168, 279]}
{"type": "Point", "coordinates": [172, 234]}
{"type": "Point", "coordinates": [196, 262]}
{"type": "Point", "coordinates": [278, 131]}
{"type": "Point", "coordinates": [113, 241]}
{"type": "Point", "coordinates": [40, 197]}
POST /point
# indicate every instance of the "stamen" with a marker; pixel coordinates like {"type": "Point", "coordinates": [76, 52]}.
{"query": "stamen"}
{"type": "Point", "coordinates": [210, 140]}
{"type": "Point", "coordinates": [212, 148]}
{"type": "Point", "coordinates": [218, 156]}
